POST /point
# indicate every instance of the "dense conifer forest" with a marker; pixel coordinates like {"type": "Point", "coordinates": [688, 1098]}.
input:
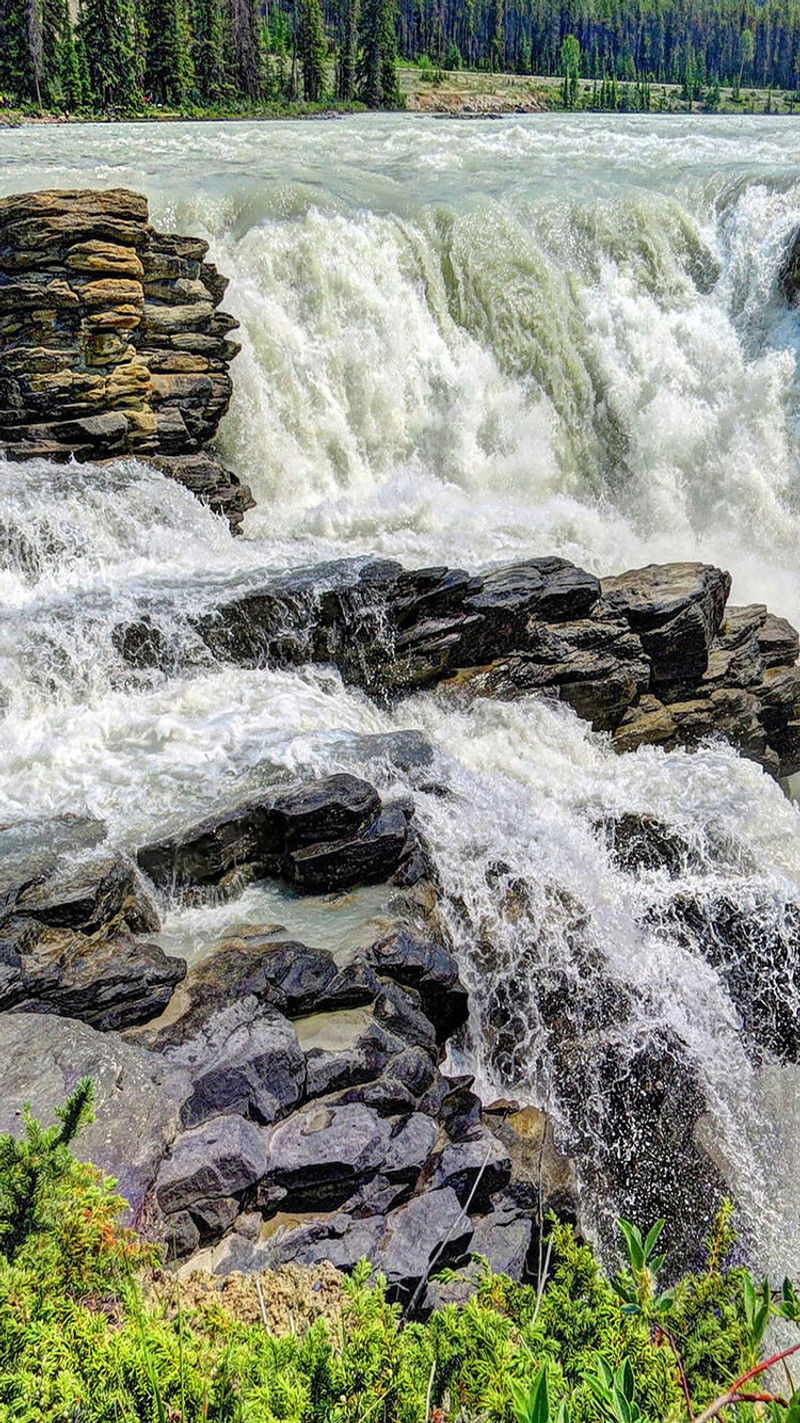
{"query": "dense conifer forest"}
{"type": "Point", "coordinates": [118, 56]}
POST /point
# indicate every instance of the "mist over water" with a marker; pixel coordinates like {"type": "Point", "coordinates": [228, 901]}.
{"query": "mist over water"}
{"type": "Point", "coordinates": [463, 343]}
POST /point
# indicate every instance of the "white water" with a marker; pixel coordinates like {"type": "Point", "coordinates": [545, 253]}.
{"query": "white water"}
{"type": "Point", "coordinates": [462, 343]}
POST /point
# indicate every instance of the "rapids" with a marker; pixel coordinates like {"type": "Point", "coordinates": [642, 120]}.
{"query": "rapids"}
{"type": "Point", "coordinates": [462, 343]}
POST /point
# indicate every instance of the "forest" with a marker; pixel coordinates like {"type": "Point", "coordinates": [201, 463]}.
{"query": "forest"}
{"type": "Point", "coordinates": [117, 57]}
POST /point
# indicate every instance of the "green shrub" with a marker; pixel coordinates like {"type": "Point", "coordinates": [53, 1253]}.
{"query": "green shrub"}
{"type": "Point", "coordinates": [84, 1340]}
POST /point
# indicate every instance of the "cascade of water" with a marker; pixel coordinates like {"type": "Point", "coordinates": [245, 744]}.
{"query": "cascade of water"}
{"type": "Point", "coordinates": [462, 344]}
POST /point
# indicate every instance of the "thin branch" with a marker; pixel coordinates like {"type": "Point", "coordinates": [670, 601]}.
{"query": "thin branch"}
{"type": "Point", "coordinates": [734, 1393]}
{"type": "Point", "coordinates": [681, 1370]}
{"type": "Point", "coordinates": [429, 1393]}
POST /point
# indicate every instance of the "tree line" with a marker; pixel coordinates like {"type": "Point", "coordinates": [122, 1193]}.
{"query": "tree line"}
{"type": "Point", "coordinates": [120, 56]}
{"type": "Point", "coordinates": [110, 56]}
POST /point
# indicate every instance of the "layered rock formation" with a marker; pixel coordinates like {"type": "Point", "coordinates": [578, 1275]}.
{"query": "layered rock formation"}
{"type": "Point", "coordinates": [654, 655]}
{"type": "Point", "coordinates": [111, 341]}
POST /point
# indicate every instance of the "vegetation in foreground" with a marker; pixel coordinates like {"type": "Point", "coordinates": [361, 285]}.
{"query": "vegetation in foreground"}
{"type": "Point", "coordinates": [85, 1339]}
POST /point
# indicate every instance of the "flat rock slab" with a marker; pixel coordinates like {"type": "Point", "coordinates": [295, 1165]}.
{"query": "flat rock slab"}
{"type": "Point", "coordinates": [137, 1096]}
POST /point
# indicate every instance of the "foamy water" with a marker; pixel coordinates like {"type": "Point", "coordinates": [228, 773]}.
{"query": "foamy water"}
{"type": "Point", "coordinates": [462, 343]}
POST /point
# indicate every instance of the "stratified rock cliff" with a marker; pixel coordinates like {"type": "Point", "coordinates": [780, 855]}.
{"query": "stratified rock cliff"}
{"type": "Point", "coordinates": [111, 341]}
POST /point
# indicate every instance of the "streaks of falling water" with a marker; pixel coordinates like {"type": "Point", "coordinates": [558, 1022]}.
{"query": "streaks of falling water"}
{"type": "Point", "coordinates": [462, 343]}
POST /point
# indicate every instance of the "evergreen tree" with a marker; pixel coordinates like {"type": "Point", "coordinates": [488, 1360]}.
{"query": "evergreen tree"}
{"type": "Point", "coordinates": [377, 69]}
{"type": "Point", "coordinates": [348, 50]}
{"type": "Point", "coordinates": [108, 30]}
{"type": "Point", "coordinates": [570, 66]}
{"type": "Point", "coordinates": [243, 60]}
{"type": "Point", "coordinates": [208, 51]}
{"type": "Point", "coordinates": [312, 50]}
{"type": "Point", "coordinates": [169, 70]}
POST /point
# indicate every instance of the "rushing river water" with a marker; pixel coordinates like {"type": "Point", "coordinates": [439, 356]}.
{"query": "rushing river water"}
{"type": "Point", "coordinates": [462, 343]}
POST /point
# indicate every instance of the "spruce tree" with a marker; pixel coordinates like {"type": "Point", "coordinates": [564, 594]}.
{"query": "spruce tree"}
{"type": "Point", "coordinates": [169, 70]}
{"type": "Point", "coordinates": [312, 50]}
{"type": "Point", "coordinates": [208, 51]}
{"type": "Point", "coordinates": [108, 30]}
{"type": "Point", "coordinates": [348, 49]}
{"type": "Point", "coordinates": [378, 82]}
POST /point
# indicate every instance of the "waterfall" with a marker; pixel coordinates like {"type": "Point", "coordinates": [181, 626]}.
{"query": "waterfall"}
{"type": "Point", "coordinates": [462, 344]}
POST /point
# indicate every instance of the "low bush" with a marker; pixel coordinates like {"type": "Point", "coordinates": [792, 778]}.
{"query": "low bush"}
{"type": "Point", "coordinates": [83, 1339]}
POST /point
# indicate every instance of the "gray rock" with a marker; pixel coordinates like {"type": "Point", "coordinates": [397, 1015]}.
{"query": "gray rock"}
{"type": "Point", "coordinates": [137, 1096]}
{"type": "Point", "coordinates": [220, 1158]}
{"type": "Point", "coordinates": [430, 1230]}
{"type": "Point", "coordinates": [676, 609]}
{"type": "Point", "coordinates": [503, 1238]}
{"type": "Point", "coordinates": [475, 1169]}
{"type": "Point", "coordinates": [246, 1059]}
{"type": "Point", "coordinates": [322, 1152]}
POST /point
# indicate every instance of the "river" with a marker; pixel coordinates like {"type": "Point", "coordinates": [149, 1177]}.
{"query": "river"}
{"type": "Point", "coordinates": [463, 343]}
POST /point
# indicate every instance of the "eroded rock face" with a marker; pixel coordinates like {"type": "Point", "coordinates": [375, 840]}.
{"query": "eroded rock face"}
{"type": "Point", "coordinates": [326, 835]}
{"type": "Point", "coordinates": [652, 655]}
{"type": "Point", "coordinates": [70, 943]}
{"type": "Point", "coordinates": [111, 341]}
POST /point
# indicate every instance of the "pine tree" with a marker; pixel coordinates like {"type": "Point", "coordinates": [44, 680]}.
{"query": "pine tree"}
{"type": "Point", "coordinates": [570, 66]}
{"type": "Point", "coordinates": [312, 50]}
{"type": "Point", "coordinates": [377, 70]}
{"type": "Point", "coordinates": [244, 49]}
{"type": "Point", "coordinates": [348, 50]}
{"type": "Point", "coordinates": [208, 51]}
{"type": "Point", "coordinates": [169, 70]}
{"type": "Point", "coordinates": [108, 30]}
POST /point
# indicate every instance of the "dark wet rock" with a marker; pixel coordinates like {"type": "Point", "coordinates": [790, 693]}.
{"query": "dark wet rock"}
{"type": "Point", "coordinates": [68, 943]}
{"type": "Point", "coordinates": [675, 609]}
{"type": "Point", "coordinates": [426, 966]}
{"type": "Point", "coordinates": [286, 975]}
{"type": "Point", "coordinates": [344, 1049]}
{"type": "Point", "coordinates": [321, 1153]}
{"type": "Point", "coordinates": [754, 944]}
{"type": "Point", "coordinates": [542, 1178]}
{"type": "Point", "coordinates": [137, 1095]}
{"type": "Point", "coordinates": [642, 842]}
{"type": "Point", "coordinates": [110, 340]}
{"type": "Point", "coordinates": [326, 835]}
{"type": "Point", "coordinates": [90, 897]}
{"type": "Point", "coordinates": [223, 1157]}
{"type": "Point", "coordinates": [109, 982]}
{"type": "Point", "coordinates": [411, 1148]}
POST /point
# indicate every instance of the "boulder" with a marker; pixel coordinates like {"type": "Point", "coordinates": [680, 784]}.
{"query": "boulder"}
{"type": "Point", "coordinates": [675, 609]}
{"type": "Point", "coordinates": [67, 946]}
{"type": "Point", "coordinates": [326, 835]}
{"type": "Point", "coordinates": [322, 1152]}
{"type": "Point", "coordinates": [137, 1096]}
{"type": "Point", "coordinates": [221, 1158]}
{"type": "Point", "coordinates": [430, 1231]}
{"type": "Point", "coordinates": [426, 966]}
{"type": "Point", "coordinates": [112, 344]}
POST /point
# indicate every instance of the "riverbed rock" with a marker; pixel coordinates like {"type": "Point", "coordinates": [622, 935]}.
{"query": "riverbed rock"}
{"type": "Point", "coordinates": [110, 340]}
{"type": "Point", "coordinates": [137, 1096]}
{"type": "Point", "coordinates": [70, 942]}
{"type": "Point", "coordinates": [653, 655]}
{"type": "Point", "coordinates": [325, 835]}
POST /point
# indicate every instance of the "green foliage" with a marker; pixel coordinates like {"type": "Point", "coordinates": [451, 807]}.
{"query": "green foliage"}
{"type": "Point", "coordinates": [312, 49]}
{"type": "Point", "coordinates": [83, 1341]}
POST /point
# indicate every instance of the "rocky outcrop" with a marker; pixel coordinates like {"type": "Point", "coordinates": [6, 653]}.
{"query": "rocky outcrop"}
{"type": "Point", "coordinates": [70, 943]}
{"type": "Point", "coordinates": [111, 341]}
{"type": "Point", "coordinates": [325, 835]}
{"type": "Point", "coordinates": [654, 656]}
